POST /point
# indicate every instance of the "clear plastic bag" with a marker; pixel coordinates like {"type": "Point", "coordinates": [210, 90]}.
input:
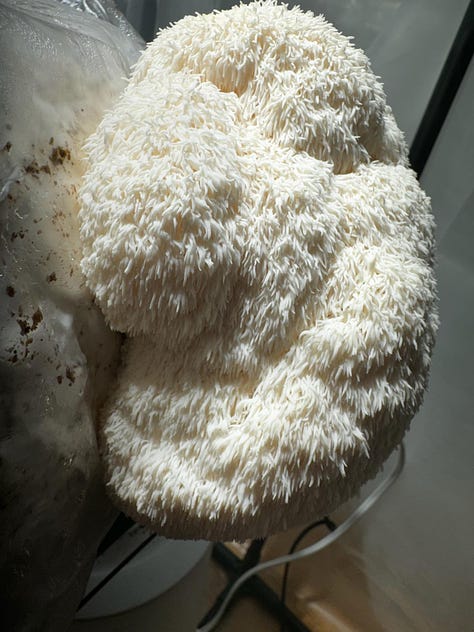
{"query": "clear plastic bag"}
{"type": "Point", "coordinates": [60, 69]}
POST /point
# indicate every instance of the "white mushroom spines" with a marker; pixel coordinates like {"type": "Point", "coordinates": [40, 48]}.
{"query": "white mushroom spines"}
{"type": "Point", "coordinates": [248, 220]}
{"type": "Point", "coordinates": [302, 83]}
{"type": "Point", "coordinates": [162, 191]}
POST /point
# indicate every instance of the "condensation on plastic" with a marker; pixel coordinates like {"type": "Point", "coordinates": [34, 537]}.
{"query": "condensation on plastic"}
{"type": "Point", "coordinates": [104, 10]}
{"type": "Point", "coordinates": [60, 69]}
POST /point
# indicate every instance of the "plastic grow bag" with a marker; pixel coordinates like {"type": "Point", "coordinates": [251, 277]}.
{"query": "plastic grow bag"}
{"type": "Point", "coordinates": [60, 69]}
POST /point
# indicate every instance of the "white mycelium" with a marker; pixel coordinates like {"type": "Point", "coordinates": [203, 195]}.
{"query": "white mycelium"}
{"type": "Point", "coordinates": [249, 221]}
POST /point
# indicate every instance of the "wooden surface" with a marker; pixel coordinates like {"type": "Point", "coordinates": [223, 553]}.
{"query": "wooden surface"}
{"type": "Point", "coordinates": [344, 589]}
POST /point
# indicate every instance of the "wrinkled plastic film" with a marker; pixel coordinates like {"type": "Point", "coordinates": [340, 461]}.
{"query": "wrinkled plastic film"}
{"type": "Point", "coordinates": [60, 69]}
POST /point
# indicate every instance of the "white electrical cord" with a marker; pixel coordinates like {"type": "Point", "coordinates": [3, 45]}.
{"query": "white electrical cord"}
{"type": "Point", "coordinates": [365, 505]}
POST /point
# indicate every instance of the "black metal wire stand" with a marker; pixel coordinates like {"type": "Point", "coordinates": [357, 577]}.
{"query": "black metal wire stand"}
{"type": "Point", "coordinates": [254, 587]}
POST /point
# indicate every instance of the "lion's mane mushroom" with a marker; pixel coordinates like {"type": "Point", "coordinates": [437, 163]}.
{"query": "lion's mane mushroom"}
{"type": "Point", "coordinates": [249, 221]}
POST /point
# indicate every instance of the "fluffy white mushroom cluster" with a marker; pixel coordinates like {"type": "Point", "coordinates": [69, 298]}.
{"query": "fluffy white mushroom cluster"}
{"type": "Point", "coordinates": [249, 221]}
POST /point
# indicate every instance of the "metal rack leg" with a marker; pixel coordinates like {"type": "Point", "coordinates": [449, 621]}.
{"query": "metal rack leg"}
{"type": "Point", "coordinates": [254, 587]}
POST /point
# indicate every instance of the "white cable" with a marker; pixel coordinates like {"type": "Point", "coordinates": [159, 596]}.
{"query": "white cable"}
{"type": "Point", "coordinates": [365, 505]}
